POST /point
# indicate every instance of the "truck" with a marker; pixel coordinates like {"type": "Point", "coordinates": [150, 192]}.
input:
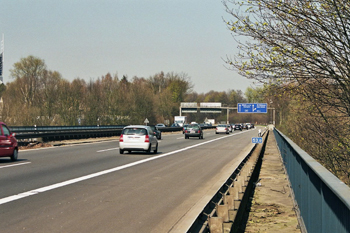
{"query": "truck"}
{"type": "Point", "coordinates": [181, 120]}
{"type": "Point", "coordinates": [210, 121]}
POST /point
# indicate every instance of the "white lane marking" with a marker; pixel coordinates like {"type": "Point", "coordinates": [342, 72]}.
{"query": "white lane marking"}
{"type": "Point", "coordinates": [79, 179]}
{"type": "Point", "coordinates": [107, 149]}
{"type": "Point", "coordinates": [12, 165]}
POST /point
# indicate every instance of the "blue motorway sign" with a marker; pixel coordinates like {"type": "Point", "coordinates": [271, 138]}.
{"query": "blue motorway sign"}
{"type": "Point", "coordinates": [252, 108]}
{"type": "Point", "coordinates": [257, 140]}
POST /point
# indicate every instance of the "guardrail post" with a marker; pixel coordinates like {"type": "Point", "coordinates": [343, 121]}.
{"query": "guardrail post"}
{"type": "Point", "coordinates": [229, 200]}
{"type": "Point", "coordinates": [215, 224]}
{"type": "Point", "coordinates": [226, 227]}
{"type": "Point", "coordinates": [235, 194]}
{"type": "Point", "coordinates": [222, 211]}
{"type": "Point", "coordinates": [234, 191]}
{"type": "Point", "coordinates": [246, 175]}
{"type": "Point", "coordinates": [241, 184]}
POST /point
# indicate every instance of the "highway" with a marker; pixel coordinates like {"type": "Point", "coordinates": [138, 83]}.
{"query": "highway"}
{"type": "Point", "coordinates": [92, 188]}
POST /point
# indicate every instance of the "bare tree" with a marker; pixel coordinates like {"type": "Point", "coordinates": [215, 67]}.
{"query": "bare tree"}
{"type": "Point", "coordinates": [28, 74]}
{"type": "Point", "coordinates": [301, 42]}
{"type": "Point", "coordinates": [302, 48]}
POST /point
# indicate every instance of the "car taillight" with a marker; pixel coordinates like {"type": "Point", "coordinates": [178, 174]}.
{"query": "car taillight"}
{"type": "Point", "coordinates": [121, 138]}
{"type": "Point", "coordinates": [199, 131]}
{"type": "Point", "coordinates": [216, 128]}
{"type": "Point", "coordinates": [147, 138]}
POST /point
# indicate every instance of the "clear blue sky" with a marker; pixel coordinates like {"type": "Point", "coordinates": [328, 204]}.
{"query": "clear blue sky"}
{"type": "Point", "coordinates": [89, 38]}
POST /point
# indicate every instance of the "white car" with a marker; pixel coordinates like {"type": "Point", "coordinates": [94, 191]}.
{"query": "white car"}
{"type": "Point", "coordinates": [222, 128]}
{"type": "Point", "coordinates": [138, 138]}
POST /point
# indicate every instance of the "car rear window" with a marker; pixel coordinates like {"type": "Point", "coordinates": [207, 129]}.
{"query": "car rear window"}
{"type": "Point", "coordinates": [134, 131]}
{"type": "Point", "coordinates": [193, 126]}
{"type": "Point", "coordinates": [221, 125]}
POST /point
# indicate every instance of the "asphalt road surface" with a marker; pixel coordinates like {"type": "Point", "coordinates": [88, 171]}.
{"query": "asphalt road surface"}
{"type": "Point", "coordinates": [92, 188]}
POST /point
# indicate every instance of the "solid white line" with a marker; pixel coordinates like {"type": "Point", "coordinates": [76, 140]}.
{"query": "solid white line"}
{"type": "Point", "coordinates": [12, 165]}
{"type": "Point", "coordinates": [76, 180]}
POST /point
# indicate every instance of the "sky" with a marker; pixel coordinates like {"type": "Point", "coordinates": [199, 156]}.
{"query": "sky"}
{"type": "Point", "coordinates": [89, 38]}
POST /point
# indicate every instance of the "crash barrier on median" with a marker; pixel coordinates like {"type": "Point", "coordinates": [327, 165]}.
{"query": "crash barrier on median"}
{"type": "Point", "coordinates": [53, 133]}
{"type": "Point", "coordinates": [323, 201]}
{"type": "Point", "coordinates": [225, 211]}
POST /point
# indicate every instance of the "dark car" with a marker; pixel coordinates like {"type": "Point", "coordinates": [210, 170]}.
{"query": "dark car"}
{"type": "Point", "coordinates": [156, 131]}
{"type": "Point", "coordinates": [194, 130]}
{"type": "Point", "coordinates": [175, 125]}
{"type": "Point", "coordinates": [237, 127]}
{"type": "Point", "coordinates": [8, 143]}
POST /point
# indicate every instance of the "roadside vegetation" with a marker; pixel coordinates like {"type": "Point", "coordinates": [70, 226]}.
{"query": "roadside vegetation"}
{"type": "Point", "coordinates": [299, 50]}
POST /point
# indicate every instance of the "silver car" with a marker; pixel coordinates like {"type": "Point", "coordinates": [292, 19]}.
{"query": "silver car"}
{"type": "Point", "coordinates": [138, 138]}
{"type": "Point", "coordinates": [222, 129]}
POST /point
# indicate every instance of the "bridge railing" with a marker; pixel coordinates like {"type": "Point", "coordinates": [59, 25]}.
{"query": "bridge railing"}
{"type": "Point", "coordinates": [322, 200]}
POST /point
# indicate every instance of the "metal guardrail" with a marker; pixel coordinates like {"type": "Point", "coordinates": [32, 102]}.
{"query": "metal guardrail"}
{"type": "Point", "coordinates": [53, 133]}
{"type": "Point", "coordinates": [322, 199]}
{"type": "Point", "coordinates": [22, 129]}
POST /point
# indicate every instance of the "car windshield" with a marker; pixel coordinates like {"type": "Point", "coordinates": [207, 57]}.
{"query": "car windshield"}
{"type": "Point", "coordinates": [133, 131]}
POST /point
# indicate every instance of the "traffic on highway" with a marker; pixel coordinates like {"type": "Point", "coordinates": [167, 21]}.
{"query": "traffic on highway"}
{"type": "Point", "coordinates": [92, 187]}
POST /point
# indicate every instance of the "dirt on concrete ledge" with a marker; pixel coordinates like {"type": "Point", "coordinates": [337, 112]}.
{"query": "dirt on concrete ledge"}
{"type": "Point", "coordinates": [272, 208]}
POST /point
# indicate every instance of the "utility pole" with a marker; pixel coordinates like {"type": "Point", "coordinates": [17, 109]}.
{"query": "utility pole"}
{"type": "Point", "coordinates": [2, 60]}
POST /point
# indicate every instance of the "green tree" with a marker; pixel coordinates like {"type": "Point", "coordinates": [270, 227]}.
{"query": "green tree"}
{"type": "Point", "coordinates": [254, 95]}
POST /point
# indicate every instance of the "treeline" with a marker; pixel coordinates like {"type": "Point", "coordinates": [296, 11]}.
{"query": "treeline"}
{"type": "Point", "coordinates": [39, 96]}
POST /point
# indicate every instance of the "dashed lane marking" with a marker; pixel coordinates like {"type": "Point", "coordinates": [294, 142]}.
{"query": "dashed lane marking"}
{"type": "Point", "coordinates": [12, 165]}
